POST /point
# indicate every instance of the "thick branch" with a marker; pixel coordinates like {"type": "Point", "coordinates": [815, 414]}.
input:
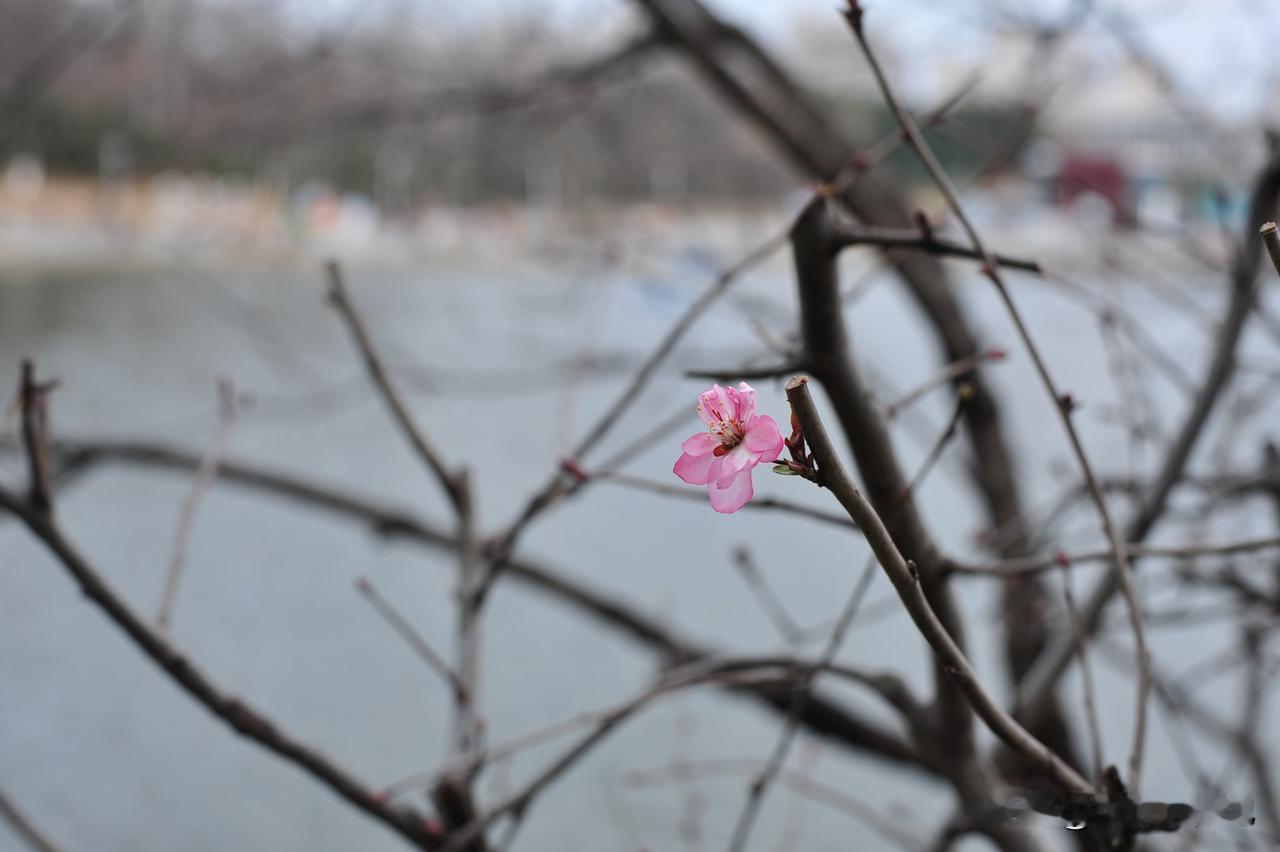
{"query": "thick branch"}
{"type": "Point", "coordinates": [1061, 403]}
{"type": "Point", "coordinates": [906, 580]}
{"type": "Point", "coordinates": [826, 351]}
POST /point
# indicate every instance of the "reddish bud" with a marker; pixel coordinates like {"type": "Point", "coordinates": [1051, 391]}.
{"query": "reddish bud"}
{"type": "Point", "coordinates": [1062, 559]}
{"type": "Point", "coordinates": [571, 467]}
{"type": "Point", "coordinates": [854, 15]}
{"type": "Point", "coordinates": [379, 796]}
{"type": "Point", "coordinates": [996, 353]}
{"type": "Point", "coordinates": [861, 161]}
{"type": "Point", "coordinates": [433, 827]}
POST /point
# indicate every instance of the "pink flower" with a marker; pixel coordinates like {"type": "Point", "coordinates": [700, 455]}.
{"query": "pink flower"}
{"type": "Point", "coordinates": [738, 440]}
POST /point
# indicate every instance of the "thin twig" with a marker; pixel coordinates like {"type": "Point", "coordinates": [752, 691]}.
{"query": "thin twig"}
{"type": "Point", "coordinates": [692, 675]}
{"type": "Point", "coordinates": [411, 636]}
{"type": "Point", "coordinates": [739, 671]}
{"type": "Point", "coordinates": [734, 673]}
{"type": "Point", "coordinates": [1061, 404]}
{"type": "Point", "coordinates": [382, 379]}
{"type": "Point", "coordinates": [798, 782]}
{"type": "Point", "coordinates": [455, 485]}
{"type": "Point", "coordinates": [205, 475]}
{"type": "Point", "coordinates": [940, 444]}
{"type": "Point", "coordinates": [559, 485]}
{"type": "Point", "coordinates": [1086, 674]}
{"type": "Point", "coordinates": [848, 235]}
{"type": "Point", "coordinates": [1243, 284]}
{"type": "Point", "coordinates": [765, 596]}
{"type": "Point", "coordinates": [760, 784]}
{"type": "Point", "coordinates": [1039, 563]}
{"type": "Point", "coordinates": [945, 376]}
{"type": "Point", "coordinates": [23, 826]}
{"type": "Point", "coordinates": [238, 714]}
{"type": "Point", "coordinates": [777, 371]}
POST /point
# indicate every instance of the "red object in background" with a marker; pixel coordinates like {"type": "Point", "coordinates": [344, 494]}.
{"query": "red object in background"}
{"type": "Point", "coordinates": [1103, 176]}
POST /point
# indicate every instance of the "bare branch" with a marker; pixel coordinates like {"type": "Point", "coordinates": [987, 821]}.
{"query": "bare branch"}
{"type": "Point", "coordinates": [777, 371]}
{"type": "Point", "coordinates": [827, 351]}
{"type": "Point", "coordinates": [1243, 276]}
{"type": "Point", "coordinates": [821, 716]}
{"type": "Point", "coordinates": [906, 581]}
{"type": "Point", "coordinates": [1043, 562]}
{"type": "Point", "coordinates": [1086, 673]}
{"type": "Point", "coordinates": [382, 380]}
{"type": "Point", "coordinates": [760, 784]}
{"type": "Point", "coordinates": [24, 827]}
{"type": "Point", "coordinates": [797, 782]}
{"type": "Point", "coordinates": [557, 486]}
{"type": "Point", "coordinates": [411, 636]}
{"type": "Point", "coordinates": [848, 234]}
{"type": "Point", "coordinates": [947, 375]}
{"type": "Point", "coordinates": [238, 714]}
{"type": "Point", "coordinates": [205, 474]}
{"type": "Point", "coordinates": [1062, 404]}
{"type": "Point", "coordinates": [765, 596]}
{"type": "Point", "coordinates": [33, 402]}
{"type": "Point", "coordinates": [456, 488]}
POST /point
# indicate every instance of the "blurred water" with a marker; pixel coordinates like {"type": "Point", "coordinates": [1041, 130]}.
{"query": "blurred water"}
{"type": "Point", "coordinates": [108, 755]}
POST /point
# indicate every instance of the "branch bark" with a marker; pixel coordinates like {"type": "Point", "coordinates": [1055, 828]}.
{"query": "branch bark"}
{"type": "Point", "coordinates": [238, 714]}
{"type": "Point", "coordinates": [1218, 374]}
{"type": "Point", "coordinates": [906, 580]}
{"type": "Point", "coordinates": [821, 715]}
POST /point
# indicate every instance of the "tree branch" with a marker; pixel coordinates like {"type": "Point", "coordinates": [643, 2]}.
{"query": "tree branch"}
{"type": "Point", "coordinates": [821, 716]}
{"type": "Point", "coordinates": [243, 718]}
{"type": "Point", "coordinates": [906, 580]}
{"type": "Point", "coordinates": [24, 827]}
{"type": "Point", "coordinates": [1061, 403]}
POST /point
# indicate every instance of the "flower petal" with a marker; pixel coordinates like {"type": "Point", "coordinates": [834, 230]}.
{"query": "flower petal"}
{"type": "Point", "coordinates": [700, 444]}
{"type": "Point", "coordinates": [734, 495]}
{"type": "Point", "coordinates": [735, 460]}
{"type": "Point", "coordinates": [696, 470]}
{"type": "Point", "coordinates": [713, 406]}
{"type": "Point", "coordinates": [764, 438]}
{"type": "Point", "coordinates": [746, 402]}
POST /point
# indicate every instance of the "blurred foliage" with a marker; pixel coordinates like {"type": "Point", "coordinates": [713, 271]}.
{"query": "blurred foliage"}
{"type": "Point", "coordinates": [395, 112]}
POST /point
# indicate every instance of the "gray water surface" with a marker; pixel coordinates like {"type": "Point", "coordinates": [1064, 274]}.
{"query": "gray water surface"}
{"type": "Point", "coordinates": [101, 749]}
